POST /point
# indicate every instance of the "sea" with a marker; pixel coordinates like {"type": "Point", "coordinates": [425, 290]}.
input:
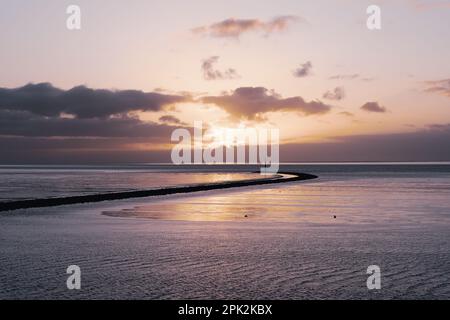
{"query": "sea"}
{"type": "Point", "coordinates": [315, 239]}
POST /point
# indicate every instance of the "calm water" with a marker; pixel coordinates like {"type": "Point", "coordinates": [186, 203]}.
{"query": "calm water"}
{"type": "Point", "coordinates": [289, 246]}
{"type": "Point", "coordinates": [18, 183]}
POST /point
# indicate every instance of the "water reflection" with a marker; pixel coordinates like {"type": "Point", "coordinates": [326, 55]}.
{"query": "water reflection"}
{"type": "Point", "coordinates": [395, 200]}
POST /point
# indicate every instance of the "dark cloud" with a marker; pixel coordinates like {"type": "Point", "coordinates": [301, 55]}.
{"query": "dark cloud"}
{"type": "Point", "coordinates": [430, 144]}
{"type": "Point", "coordinates": [441, 87]}
{"type": "Point", "coordinates": [250, 102]}
{"type": "Point", "coordinates": [337, 94]}
{"type": "Point", "coordinates": [373, 107]}
{"type": "Point", "coordinates": [31, 138]}
{"type": "Point", "coordinates": [234, 28]}
{"type": "Point", "coordinates": [209, 73]}
{"type": "Point", "coordinates": [304, 70]}
{"type": "Point", "coordinates": [82, 102]}
{"type": "Point", "coordinates": [76, 151]}
{"type": "Point", "coordinates": [31, 134]}
{"type": "Point", "coordinates": [26, 124]}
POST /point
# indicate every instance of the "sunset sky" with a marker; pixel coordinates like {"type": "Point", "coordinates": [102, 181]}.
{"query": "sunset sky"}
{"type": "Point", "coordinates": [115, 90]}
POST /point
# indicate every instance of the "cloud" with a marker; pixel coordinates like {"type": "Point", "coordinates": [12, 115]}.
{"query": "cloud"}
{"type": "Point", "coordinates": [346, 113]}
{"type": "Point", "coordinates": [209, 73]}
{"type": "Point", "coordinates": [373, 107]}
{"type": "Point", "coordinates": [429, 144]}
{"type": "Point", "coordinates": [304, 70]}
{"type": "Point", "coordinates": [170, 120]}
{"type": "Point", "coordinates": [344, 76]}
{"type": "Point", "coordinates": [337, 94]}
{"type": "Point", "coordinates": [441, 87]}
{"type": "Point", "coordinates": [234, 28]}
{"type": "Point", "coordinates": [101, 151]}
{"type": "Point", "coordinates": [32, 138]}
{"type": "Point", "coordinates": [26, 124]}
{"type": "Point", "coordinates": [251, 102]}
{"type": "Point", "coordinates": [83, 102]}
{"type": "Point", "coordinates": [350, 76]}
{"type": "Point", "coordinates": [440, 126]}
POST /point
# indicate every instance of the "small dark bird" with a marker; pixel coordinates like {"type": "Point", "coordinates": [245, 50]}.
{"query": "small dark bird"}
{"type": "Point", "coordinates": [246, 216]}
{"type": "Point", "coordinates": [334, 217]}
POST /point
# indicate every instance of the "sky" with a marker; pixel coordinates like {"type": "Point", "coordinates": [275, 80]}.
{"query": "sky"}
{"type": "Point", "coordinates": [114, 90]}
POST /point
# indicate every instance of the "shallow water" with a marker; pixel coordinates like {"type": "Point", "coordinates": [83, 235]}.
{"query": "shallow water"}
{"type": "Point", "coordinates": [202, 246]}
{"type": "Point", "coordinates": [20, 183]}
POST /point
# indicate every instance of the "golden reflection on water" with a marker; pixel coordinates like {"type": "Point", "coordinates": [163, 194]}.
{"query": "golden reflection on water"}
{"type": "Point", "coordinates": [254, 205]}
{"type": "Point", "coordinates": [406, 201]}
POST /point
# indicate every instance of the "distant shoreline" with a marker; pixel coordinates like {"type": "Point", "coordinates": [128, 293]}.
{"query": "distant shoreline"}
{"type": "Point", "coordinates": [249, 165]}
{"type": "Point", "coordinates": [281, 177]}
